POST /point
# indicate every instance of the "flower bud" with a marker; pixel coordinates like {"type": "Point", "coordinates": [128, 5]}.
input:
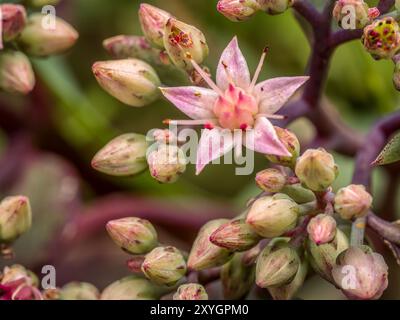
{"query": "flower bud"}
{"type": "Point", "coordinates": [323, 257]}
{"type": "Point", "coordinates": [322, 229]}
{"type": "Point", "coordinates": [40, 40]}
{"type": "Point", "coordinates": [123, 156]}
{"type": "Point", "coordinates": [352, 202]}
{"type": "Point", "coordinates": [291, 143]}
{"type": "Point", "coordinates": [18, 273]}
{"type": "Point", "coordinates": [272, 216]}
{"type": "Point", "coordinates": [41, 3]}
{"type": "Point", "coordinates": [298, 193]}
{"type": "Point", "coordinates": [79, 291]}
{"type": "Point", "coordinates": [15, 218]}
{"type": "Point", "coordinates": [204, 254]}
{"type": "Point", "coordinates": [277, 265]}
{"type": "Point", "coordinates": [164, 266]}
{"type": "Point", "coordinates": [271, 180]}
{"type": "Point", "coordinates": [131, 288]}
{"type": "Point", "coordinates": [184, 42]}
{"type": "Point", "coordinates": [191, 291]}
{"type": "Point", "coordinates": [382, 38]}
{"type": "Point", "coordinates": [238, 10]}
{"type": "Point", "coordinates": [343, 8]}
{"type": "Point", "coordinates": [166, 163]}
{"type": "Point", "coordinates": [235, 235]}
{"type": "Point", "coordinates": [237, 278]}
{"type": "Point", "coordinates": [13, 19]}
{"type": "Point", "coordinates": [134, 235]}
{"type": "Point", "coordinates": [316, 169]}
{"type": "Point", "coordinates": [275, 6]}
{"type": "Point", "coordinates": [131, 81]}
{"type": "Point", "coordinates": [361, 273]}
{"type": "Point", "coordinates": [16, 74]}
{"type": "Point", "coordinates": [153, 21]}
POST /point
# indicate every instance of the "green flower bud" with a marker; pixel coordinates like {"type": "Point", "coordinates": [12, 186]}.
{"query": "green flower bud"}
{"type": "Point", "coordinates": [271, 180]}
{"type": "Point", "coordinates": [273, 216]}
{"type": "Point", "coordinates": [361, 273]}
{"type": "Point", "coordinates": [298, 193]}
{"type": "Point", "coordinates": [41, 3]}
{"type": "Point", "coordinates": [13, 19]}
{"type": "Point", "coordinates": [131, 81]}
{"type": "Point", "coordinates": [316, 169]}
{"type": "Point", "coordinates": [238, 10]}
{"type": "Point", "coordinates": [204, 254]}
{"type": "Point", "coordinates": [16, 74]}
{"type": "Point", "coordinates": [37, 40]}
{"type": "Point", "coordinates": [164, 266]}
{"type": "Point", "coordinates": [191, 291]}
{"type": "Point", "coordinates": [275, 6]}
{"type": "Point", "coordinates": [134, 235]}
{"type": "Point", "coordinates": [235, 235]}
{"type": "Point", "coordinates": [277, 265]}
{"type": "Point", "coordinates": [79, 291]}
{"type": "Point", "coordinates": [17, 272]}
{"type": "Point", "coordinates": [360, 8]}
{"type": "Point", "coordinates": [153, 21]}
{"type": "Point", "coordinates": [323, 257]}
{"type": "Point", "coordinates": [166, 163]}
{"type": "Point", "coordinates": [132, 288]}
{"type": "Point", "coordinates": [322, 229]}
{"type": "Point", "coordinates": [15, 218]}
{"type": "Point", "coordinates": [352, 202]}
{"type": "Point", "coordinates": [291, 143]}
{"type": "Point", "coordinates": [184, 42]}
{"type": "Point", "coordinates": [237, 278]}
{"type": "Point", "coordinates": [125, 155]}
{"type": "Point", "coordinates": [382, 38]}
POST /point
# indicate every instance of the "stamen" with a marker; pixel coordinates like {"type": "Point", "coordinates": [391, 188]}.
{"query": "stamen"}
{"type": "Point", "coordinates": [190, 122]}
{"type": "Point", "coordinates": [259, 68]}
{"type": "Point", "coordinates": [271, 116]}
{"type": "Point", "coordinates": [204, 75]}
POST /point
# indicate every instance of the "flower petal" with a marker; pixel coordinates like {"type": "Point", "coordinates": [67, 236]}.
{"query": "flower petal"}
{"type": "Point", "coordinates": [274, 93]}
{"type": "Point", "coordinates": [263, 138]}
{"type": "Point", "coordinates": [195, 102]}
{"type": "Point", "coordinates": [213, 144]}
{"type": "Point", "coordinates": [237, 67]}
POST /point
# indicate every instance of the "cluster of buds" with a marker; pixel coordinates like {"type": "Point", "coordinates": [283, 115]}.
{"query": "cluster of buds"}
{"type": "Point", "coordinates": [33, 38]}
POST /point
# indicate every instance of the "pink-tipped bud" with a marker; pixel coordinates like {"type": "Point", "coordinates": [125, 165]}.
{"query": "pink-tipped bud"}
{"type": "Point", "coordinates": [352, 202]}
{"type": "Point", "coordinates": [13, 19]}
{"type": "Point", "coordinates": [191, 291]}
{"type": "Point", "coordinates": [271, 180]}
{"type": "Point", "coordinates": [291, 143]}
{"type": "Point", "coordinates": [322, 229]}
{"type": "Point", "coordinates": [358, 7]}
{"type": "Point", "coordinates": [238, 10]}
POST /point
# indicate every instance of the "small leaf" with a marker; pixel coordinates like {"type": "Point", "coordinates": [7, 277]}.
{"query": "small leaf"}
{"type": "Point", "coordinates": [390, 153]}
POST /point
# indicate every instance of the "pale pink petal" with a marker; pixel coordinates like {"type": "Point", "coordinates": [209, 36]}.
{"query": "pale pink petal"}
{"type": "Point", "coordinates": [212, 145]}
{"type": "Point", "coordinates": [263, 138]}
{"type": "Point", "coordinates": [274, 93]}
{"type": "Point", "coordinates": [195, 102]}
{"type": "Point", "coordinates": [237, 67]}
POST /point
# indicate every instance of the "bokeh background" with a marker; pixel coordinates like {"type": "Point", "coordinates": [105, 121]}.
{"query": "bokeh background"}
{"type": "Point", "coordinates": [48, 138]}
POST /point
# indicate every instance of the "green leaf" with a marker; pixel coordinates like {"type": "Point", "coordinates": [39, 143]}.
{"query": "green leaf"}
{"type": "Point", "coordinates": [390, 153]}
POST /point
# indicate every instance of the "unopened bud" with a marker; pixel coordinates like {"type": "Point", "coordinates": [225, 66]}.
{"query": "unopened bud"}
{"type": "Point", "coordinates": [131, 288]}
{"type": "Point", "coordinates": [271, 180]}
{"type": "Point", "coordinates": [351, 9]}
{"type": "Point", "coordinates": [277, 265]}
{"type": "Point", "coordinates": [125, 155]}
{"type": "Point", "coordinates": [298, 193]}
{"type": "Point", "coordinates": [291, 143]}
{"type": "Point", "coordinates": [15, 218]}
{"type": "Point", "coordinates": [352, 202]}
{"type": "Point", "coordinates": [275, 6]}
{"type": "Point", "coordinates": [183, 43]}
{"type": "Point", "coordinates": [235, 235]}
{"type": "Point", "coordinates": [13, 17]}
{"type": "Point", "coordinates": [40, 40]}
{"type": "Point", "coordinates": [272, 216]}
{"type": "Point", "coordinates": [322, 229]}
{"type": "Point", "coordinates": [166, 163]}
{"type": "Point", "coordinates": [237, 278]}
{"type": "Point", "coordinates": [16, 74]}
{"type": "Point", "coordinates": [41, 3]}
{"type": "Point", "coordinates": [382, 38]}
{"type": "Point", "coordinates": [191, 291]}
{"type": "Point", "coordinates": [134, 235]}
{"type": "Point", "coordinates": [79, 291]}
{"type": "Point", "coordinates": [204, 254]}
{"type": "Point", "coordinates": [153, 21]}
{"type": "Point", "coordinates": [238, 10]}
{"type": "Point", "coordinates": [316, 169]}
{"type": "Point", "coordinates": [18, 273]}
{"type": "Point", "coordinates": [361, 273]}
